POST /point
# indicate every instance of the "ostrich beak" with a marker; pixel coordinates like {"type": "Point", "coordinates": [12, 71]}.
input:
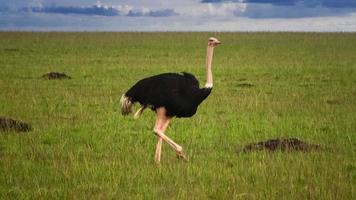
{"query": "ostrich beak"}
{"type": "Point", "coordinates": [213, 41]}
{"type": "Point", "coordinates": [216, 43]}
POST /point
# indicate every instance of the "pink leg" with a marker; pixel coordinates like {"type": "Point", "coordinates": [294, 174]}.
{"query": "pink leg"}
{"type": "Point", "coordinates": [158, 125]}
{"type": "Point", "coordinates": [158, 150]}
{"type": "Point", "coordinates": [161, 125]}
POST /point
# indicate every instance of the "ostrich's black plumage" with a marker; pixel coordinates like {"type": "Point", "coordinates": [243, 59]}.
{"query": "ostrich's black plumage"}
{"type": "Point", "coordinates": [179, 94]}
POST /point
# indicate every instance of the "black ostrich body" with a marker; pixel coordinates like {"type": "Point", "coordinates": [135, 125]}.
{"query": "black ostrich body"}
{"type": "Point", "coordinates": [179, 94]}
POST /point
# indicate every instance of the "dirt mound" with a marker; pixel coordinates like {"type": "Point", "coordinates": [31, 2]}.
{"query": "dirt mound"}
{"type": "Point", "coordinates": [287, 144]}
{"type": "Point", "coordinates": [55, 75]}
{"type": "Point", "coordinates": [245, 85]}
{"type": "Point", "coordinates": [8, 124]}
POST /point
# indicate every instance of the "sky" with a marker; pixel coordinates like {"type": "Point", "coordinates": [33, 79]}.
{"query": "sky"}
{"type": "Point", "coordinates": [178, 15]}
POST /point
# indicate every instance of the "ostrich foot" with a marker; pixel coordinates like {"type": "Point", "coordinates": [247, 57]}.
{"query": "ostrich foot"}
{"type": "Point", "coordinates": [182, 156]}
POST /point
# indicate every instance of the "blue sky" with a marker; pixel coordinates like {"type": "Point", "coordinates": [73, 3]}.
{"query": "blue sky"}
{"type": "Point", "coordinates": [180, 15]}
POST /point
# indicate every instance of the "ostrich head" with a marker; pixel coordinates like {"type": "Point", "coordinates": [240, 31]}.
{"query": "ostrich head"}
{"type": "Point", "coordinates": [213, 42]}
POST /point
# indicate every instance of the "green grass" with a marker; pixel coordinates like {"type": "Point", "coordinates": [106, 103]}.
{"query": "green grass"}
{"type": "Point", "coordinates": [82, 148]}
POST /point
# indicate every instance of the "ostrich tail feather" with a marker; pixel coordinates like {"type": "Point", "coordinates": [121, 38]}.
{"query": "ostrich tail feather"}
{"type": "Point", "coordinates": [126, 105]}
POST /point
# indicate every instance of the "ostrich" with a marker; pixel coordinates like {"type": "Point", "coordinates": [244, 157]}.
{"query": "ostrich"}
{"type": "Point", "coordinates": [170, 95]}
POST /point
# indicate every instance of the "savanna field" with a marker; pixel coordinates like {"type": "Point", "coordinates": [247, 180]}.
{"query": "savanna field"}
{"type": "Point", "coordinates": [266, 85]}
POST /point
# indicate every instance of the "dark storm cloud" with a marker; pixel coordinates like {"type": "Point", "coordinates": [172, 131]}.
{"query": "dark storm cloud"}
{"type": "Point", "coordinates": [260, 9]}
{"type": "Point", "coordinates": [99, 10]}
{"type": "Point", "coordinates": [4, 8]}
{"type": "Point", "coordinates": [136, 13]}
{"type": "Point", "coordinates": [162, 13]}
{"type": "Point", "coordinates": [87, 10]}
{"type": "Point", "coordinates": [289, 12]}
{"type": "Point", "coordinates": [275, 2]}
{"type": "Point", "coordinates": [306, 3]}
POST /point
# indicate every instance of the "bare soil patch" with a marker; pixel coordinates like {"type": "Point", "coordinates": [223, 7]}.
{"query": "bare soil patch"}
{"type": "Point", "coordinates": [11, 49]}
{"type": "Point", "coordinates": [8, 124]}
{"type": "Point", "coordinates": [286, 144]}
{"type": "Point", "coordinates": [55, 75]}
{"type": "Point", "coordinates": [333, 101]}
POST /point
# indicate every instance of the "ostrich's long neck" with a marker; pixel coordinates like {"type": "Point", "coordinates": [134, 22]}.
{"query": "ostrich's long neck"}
{"type": "Point", "coordinates": [209, 60]}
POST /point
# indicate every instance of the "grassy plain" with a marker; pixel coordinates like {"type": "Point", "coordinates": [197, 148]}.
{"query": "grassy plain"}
{"type": "Point", "coordinates": [304, 86]}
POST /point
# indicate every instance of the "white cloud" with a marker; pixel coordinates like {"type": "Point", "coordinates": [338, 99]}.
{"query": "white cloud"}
{"type": "Point", "coordinates": [226, 9]}
{"type": "Point", "coordinates": [183, 15]}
